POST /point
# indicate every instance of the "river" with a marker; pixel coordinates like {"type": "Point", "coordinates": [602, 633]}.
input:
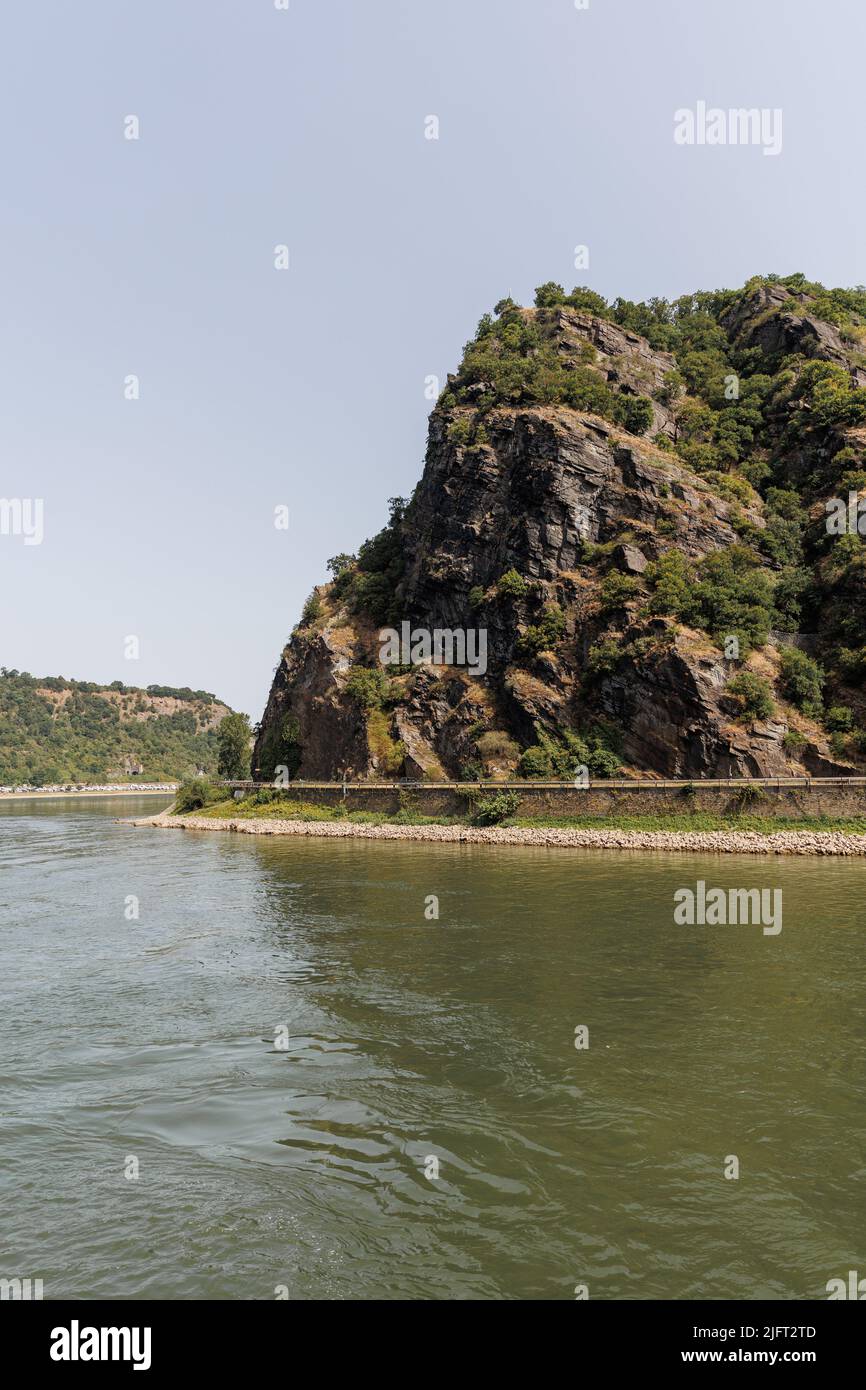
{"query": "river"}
{"type": "Point", "coordinates": [238, 1067]}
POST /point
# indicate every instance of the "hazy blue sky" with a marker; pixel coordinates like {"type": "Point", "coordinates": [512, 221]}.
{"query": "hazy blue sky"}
{"type": "Point", "coordinates": [305, 387]}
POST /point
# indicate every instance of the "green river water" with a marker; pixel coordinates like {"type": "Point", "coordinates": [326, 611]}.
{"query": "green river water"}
{"type": "Point", "coordinates": [150, 1046]}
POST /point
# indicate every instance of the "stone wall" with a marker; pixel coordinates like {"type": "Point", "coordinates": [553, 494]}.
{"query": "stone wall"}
{"type": "Point", "coordinates": [645, 799]}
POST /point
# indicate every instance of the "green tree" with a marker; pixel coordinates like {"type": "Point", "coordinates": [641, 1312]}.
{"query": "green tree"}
{"type": "Point", "coordinates": [802, 681]}
{"type": "Point", "coordinates": [635, 413]}
{"type": "Point", "coordinates": [233, 737]}
{"type": "Point", "coordinates": [339, 563]}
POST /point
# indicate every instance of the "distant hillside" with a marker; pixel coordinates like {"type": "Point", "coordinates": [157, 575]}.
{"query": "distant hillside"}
{"type": "Point", "coordinates": [55, 730]}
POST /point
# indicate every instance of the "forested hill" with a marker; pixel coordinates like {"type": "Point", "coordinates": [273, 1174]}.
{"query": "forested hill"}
{"type": "Point", "coordinates": [54, 730]}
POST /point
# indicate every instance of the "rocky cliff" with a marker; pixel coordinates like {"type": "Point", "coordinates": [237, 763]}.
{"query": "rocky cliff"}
{"type": "Point", "coordinates": [629, 503]}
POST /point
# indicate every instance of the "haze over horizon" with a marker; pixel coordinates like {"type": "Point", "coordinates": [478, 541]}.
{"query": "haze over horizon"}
{"type": "Point", "coordinates": [305, 388]}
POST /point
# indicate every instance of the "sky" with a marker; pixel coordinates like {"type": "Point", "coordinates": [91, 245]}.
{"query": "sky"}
{"type": "Point", "coordinates": [307, 124]}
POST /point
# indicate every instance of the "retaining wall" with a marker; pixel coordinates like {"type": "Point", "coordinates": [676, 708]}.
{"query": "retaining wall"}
{"type": "Point", "coordinates": [645, 798]}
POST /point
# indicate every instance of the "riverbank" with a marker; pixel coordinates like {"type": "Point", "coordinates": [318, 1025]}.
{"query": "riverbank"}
{"type": "Point", "coordinates": [789, 842]}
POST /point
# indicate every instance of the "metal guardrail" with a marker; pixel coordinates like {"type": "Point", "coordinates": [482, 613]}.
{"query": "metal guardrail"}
{"type": "Point", "coordinates": [602, 784]}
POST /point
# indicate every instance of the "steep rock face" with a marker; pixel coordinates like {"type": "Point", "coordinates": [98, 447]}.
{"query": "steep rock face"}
{"type": "Point", "coordinates": [535, 495]}
{"type": "Point", "coordinates": [307, 709]}
{"type": "Point", "coordinates": [677, 720]}
{"type": "Point", "coordinates": [550, 480]}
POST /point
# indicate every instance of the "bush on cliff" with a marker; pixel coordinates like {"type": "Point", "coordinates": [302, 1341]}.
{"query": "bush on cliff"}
{"type": "Point", "coordinates": [727, 594]}
{"type": "Point", "coordinates": [561, 756]}
{"type": "Point", "coordinates": [839, 719]}
{"type": "Point", "coordinates": [512, 585]}
{"type": "Point", "coordinates": [752, 695]}
{"type": "Point", "coordinates": [544, 635]}
{"type": "Point", "coordinates": [367, 685]}
{"type": "Point", "coordinates": [802, 681]}
{"type": "Point", "coordinates": [616, 590]}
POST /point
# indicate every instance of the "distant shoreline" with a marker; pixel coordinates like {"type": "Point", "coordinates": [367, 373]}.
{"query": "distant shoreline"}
{"type": "Point", "coordinates": [87, 792]}
{"type": "Point", "coordinates": [784, 842]}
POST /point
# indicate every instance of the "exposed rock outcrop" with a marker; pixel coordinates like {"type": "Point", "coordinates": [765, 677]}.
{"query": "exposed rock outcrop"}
{"type": "Point", "coordinates": [540, 526]}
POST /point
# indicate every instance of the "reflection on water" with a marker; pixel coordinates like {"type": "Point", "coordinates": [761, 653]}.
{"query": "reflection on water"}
{"type": "Point", "coordinates": [282, 1041]}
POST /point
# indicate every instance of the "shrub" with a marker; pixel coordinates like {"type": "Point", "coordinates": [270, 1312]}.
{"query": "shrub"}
{"type": "Point", "coordinates": [460, 430]}
{"type": "Point", "coordinates": [839, 744]}
{"type": "Point", "coordinates": [390, 753]}
{"type": "Point", "coordinates": [339, 564]}
{"type": "Point", "coordinates": [534, 762]}
{"type": "Point", "coordinates": [559, 756]}
{"type": "Point", "coordinates": [368, 686]}
{"type": "Point", "coordinates": [281, 747]}
{"type": "Point", "coordinates": [635, 413]}
{"type": "Point", "coordinates": [373, 594]}
{"type": "Point", "coordinates": [839, 719]}
{"type": "Point", "coordinates": [791, 589]}
{"type": "Point", "coordinates": [802, 681]}
{"type": "Point", "coordinates": [616, 590]}
{"type": "Point", "coordinates": [379, 568]}
{"type": "Point", "coordinates": [746, 798]}
{"type": "Point", "coordinates": [497, 744]}
{"type": "Point", "coordinates": [753, 695]}
{"type": "Point", "coordinates": [492, 810]}
{"type": "Point", "coordinates": [602, 762]}
{"type": "Point", "coordinates": [729, 594]}
{"type": "Point", "coordinates": [852, 664]}
{"type": "Point", "coordinates": [342, 584]}
{"type": "Point", "coordinates": [512, 585]}
{"type": "Point", "coordinates": [548, 295]}
{"type": "Point", "coordinates": [543, 636]}
{"type": "Point", "coordinates": [733, 595]}
{"type": "Point", "coordinates": [731, 487]}
{"type": "Point", "coordinates": [793, 741]}
{"type": "Point", "coordinates": [602, 658]}
{"type": "Point", "coordinates": [196, 793]}
{"type": "Point", "coordinates": [671, 579]}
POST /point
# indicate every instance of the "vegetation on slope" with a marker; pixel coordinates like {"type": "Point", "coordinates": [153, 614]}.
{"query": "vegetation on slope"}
{"type": "Point", "coordinates": [55, 731]}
